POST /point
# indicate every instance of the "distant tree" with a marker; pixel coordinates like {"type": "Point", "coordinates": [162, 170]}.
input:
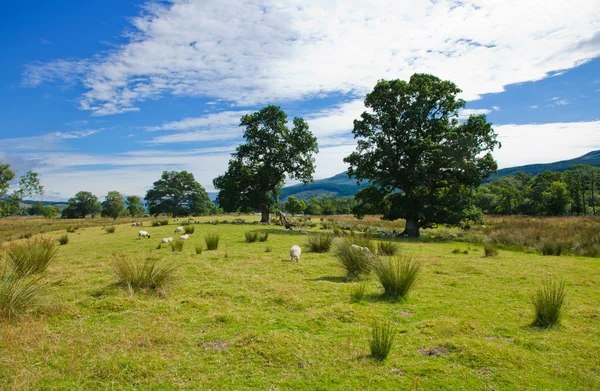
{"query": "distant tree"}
{"type": "Point", "coordinates": [82, 204]}
{"type": "Point", "coordinates": [37, 209]}
{"type": "Point", "coordinates": [556, 199]}
{"type": "Point", "coordinates": [313, 207]}
{"type": "Point", "coordinates": [113, 205]}
{"type": "Point", "coordinates": [537, 187]}
{"type": "Point", "coordinates": [28, 184]}
{"type": "Point", "coordinates": [135, 206]}
{"type": "Point", "coordinates": [259, 167]}
{"type": "Point", "coordinates": [50, 211]}
{"type": "Point", "coordinates": [423, 164]}
{"type": "Point", "coordinates": [294, 206]}
{"type": "Point", "coordinates": [178, 194]}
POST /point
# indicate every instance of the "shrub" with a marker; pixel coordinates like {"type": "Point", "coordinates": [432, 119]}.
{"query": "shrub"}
{"type": "Point", "coordinates": [198, 249]}
{"type": "Point", "coordinates": [17, 295]}
{"type": "Point", "coordinates": [388, 248]}
{"type": "Point", "coordinates": [189, 229]}
{"type": "Point", "coordinates": [263, 237]}
{"type": "Point", "coordinates": [357, 293]}
{"type": "Point", "coordinates": [490, 250]}
{"type": "Point", "coordinates": [110, 230]}
{"type": "Point", "coordinates": [320, 243]}
{"type": "Point", "coordinates": [548, 303]}
{"type": "Point", "coordinates": [251, 237]}
{"type": "Point", "coordinates": [356, 262]}
{"type": "Point", "coordinates": [396, 275]}
{"type": "Point", "coordinates": [212, 241]}
{"type": "Point", "coordinates": [177, 245]}
{"type": "Point", "coordinates": [63, 239]}
{"type": "Point", "coordinates": [382, 340]}
{"type": "Point", "coordinates": [148, 275]}
{"type": "Point", "coordinates": [31, 256]}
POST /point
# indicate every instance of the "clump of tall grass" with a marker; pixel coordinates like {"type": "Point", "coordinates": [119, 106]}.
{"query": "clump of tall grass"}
{"type": "Point", "coordinates": [110, 230]}
{"type": "Point", "coordinates": [251, 236]}
{"type": "Point", "coordinates": [147, 275]}
{"type": "Point", "coordinates": [382, 340]}
{"type": "Point", "coordinates": [199, 249]}
{"type": "Point", "coordinates": [155, 223]}
{"type": "Point", "coordinates": [177, 245]}
{"type": "Point", "coordinates": [548, 303]}
{"type": "Point", "coordinates": [212, 241]}
{"type": "Point", "coordinates": [71, 229]}
{"type": "Point", "coordinates": [396, 275]}
{"type": "Point", "coordinates": [268, 249]}
{"type": "Point", "coordinates": [31, 256]}
{"type": "Point", "coordinates": [357, 292]}
{"type": "Point", "coordinates": [320, 243]}
{"type": "Point", "coordinates": [189, 229]}
{"type": "Point", "coordinates": [356, 262]}
{"type": "Point", "coordinates": [17, 295]}
{"type": "Point", "coordinates": [164, 222]}
{"type": "Point", "coordinates": [553, 247]}
{"type": "Point", "coordinates": [490, 250]}
{"type": "Point", "coordinates": [388, 248]}
{"type": "Point", "coordinates": [64, 239]}
{"type": "Point", "coordinates": [263, 237]}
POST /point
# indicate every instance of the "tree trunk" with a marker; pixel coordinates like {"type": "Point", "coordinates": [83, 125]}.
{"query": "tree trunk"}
{"type": "Point", "coordinates": [265, 216]}
{"type": "Point", "coordinates": [412, 227]}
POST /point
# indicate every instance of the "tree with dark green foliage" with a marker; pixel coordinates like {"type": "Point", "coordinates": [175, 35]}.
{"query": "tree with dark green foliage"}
{"type": "Point", "coordinates": [113, 205]}
{"type": "Point", "coordinates": [556, 199]}
{"type": "Point", "coordinates": [135, 206]}
{"type": "Point", "coordinates": [294, 206]}
{"type": "Point", "coordinates": [28, 184]}
{"type": "Point", "coordinates": [177, 193]}
{"type": "Point", "coordinates": [423, 164]}
{"type": "Point", "coordinates": [50, 211]}
{"type": "Point", "coordinates": [82, 204]}
{"type": "Point", "coordinates": [37, 209]}
{"type": "Point", "coordinates": [271, 153]}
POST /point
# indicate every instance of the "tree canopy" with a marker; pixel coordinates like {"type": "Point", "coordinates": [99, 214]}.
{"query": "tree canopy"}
{"type": "Point", "coordinates": [28, 184]}
{"type": "Point", "coordinates": [258, 168]}
{"type": "Point", "coordinates": [294, 206]}
{"type": "Point", "coordinates": [135, 206]}
{"type": "Point", "coordinates": [177, 193]}
{"type": "Point", "coordinates": [82, 204]}
{"type": "Point", "coordinates": [422, 162]}
{"type": "Point", "coordinates": [113, 205]}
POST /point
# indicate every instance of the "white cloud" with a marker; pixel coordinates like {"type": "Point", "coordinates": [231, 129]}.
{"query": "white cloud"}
{"type": "Point", "coordinates": [534, 107]}
{"type": "Point", "coordinates": [465, 113]}
{"type": "Point", "coordinates": [44, 142]}
{"type": "Point", "coordinates": [251, 52]}
{"type": "Point", "coordinates": [562, 102]}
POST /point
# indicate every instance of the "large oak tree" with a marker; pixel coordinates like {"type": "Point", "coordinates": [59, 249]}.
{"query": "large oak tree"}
{"type": "Point", "coordinates": [271, 153]}
{"type": "Point", "coordinates": [422, 162]}
{"type": "Point", "coordinates": [177, 193]}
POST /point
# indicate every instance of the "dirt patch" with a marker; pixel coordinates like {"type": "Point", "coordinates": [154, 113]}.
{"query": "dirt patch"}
{"type": "Point", "coordinates": [438, 351]}
{"type": "Point", "coordinates": [218, 345]}
{"type": "Point", "coordinates": [404, 314]}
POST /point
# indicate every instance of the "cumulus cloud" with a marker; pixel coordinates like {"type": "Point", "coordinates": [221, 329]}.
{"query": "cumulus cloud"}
{"type": "Point", "coordinates": [254, 52]}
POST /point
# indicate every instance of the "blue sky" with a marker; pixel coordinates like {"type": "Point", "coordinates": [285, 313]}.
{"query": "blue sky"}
{"type": "Point", "coordinates": [105, 95]}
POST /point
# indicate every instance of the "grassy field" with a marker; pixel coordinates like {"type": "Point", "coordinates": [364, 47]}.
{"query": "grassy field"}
{"type": "Point", "coordinates": [239, 318]}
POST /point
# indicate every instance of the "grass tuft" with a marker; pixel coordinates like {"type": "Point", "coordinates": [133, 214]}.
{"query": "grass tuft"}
{"type": "Point", "coordinates": [382, 340]}
{"type": "Point", "coordinates": [212, 241]}
{"type": "Point", "coordinates": [148, 275]}
{"type": "Point", "coordinates": [263, 237]}
{"type": "Point", "coordinates": [177, 245]}
{"type": "Point", "coordinates": [64, 239]}
{"type": "Point", "coordinates": [189, 229]}
{"type": "Point", "coordinates": [357, 293]}
{"type": "Point", "coordinates": [548, 303]}
{"type": "Point", "coordinates": [17, 295]}
{"type": "Point", "coordinates": [552, 247]}
{"type": "Point", "coordinates": [357, 263]}
{"type": "Point", "coordinates": [31, 256]}
{"type": "Point", "coordinates": [110, 230]}
{"type": "Point", "coordinates": [268, 249]}
{"type": "Point", "coordinates": [199, 249]}
{"type": "Point", "coordinates": [490, 250]}
{"type": "Point", "coordinates": [320, 243]}
{"type": "Point", "coordinates": [251, 236]}
{"type": "Point", "coordinates": [396, 275]}
{"type": "Point", "coordinates": [388, 248]}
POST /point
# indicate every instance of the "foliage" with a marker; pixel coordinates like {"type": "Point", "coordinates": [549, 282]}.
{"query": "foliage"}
{"type": "Point", "coordinates": [548, 303]}
{"type": "Point", "coordinates": [212, 241]}
{"type": "Point", "coordinates": [64, 239]}
{"type": "Point", "coordinates": [262, 237]}
{"type": "Point", "coordinates": [251, 236]}
{"type": "Point", "coordinates": [28, 184]}
{"type": "Point", "coordinates": [320, 243]}
{"type": "Point", "coordinates": [31, 256]}
{"type": "Point", "coordinates": [17, 295]}
{"type": "Point", "coordinates": [178, 194]}
{"type": "Point", "coordinates": [149, 275]}
{"type": "Point", "coordinates": [114, 205]}
{"type": "Point", "coordinates": [189, 229]}
{"type": "Point", "coordinates": [177, 245]}
{"type": "Point", "coordinates": [388, 248]}
{"type": "Point", "coordinates": [422, 162]}
{"type": "Point", "coordinates": [50, 211]}
{"type": "Point", "coordinates": [110, 230]}
{"type": "Point", "coordinates": [272, 152]}
{"type": "Point", "coordinates": [382, 340]}
{"type": "Point", "coordinates": [294, 206]}
{"type": "Point", "coordinates": [490, 250]}
{"type": "Point", "coordinates": [82, 204]}
{"type": "Point", "coordinates": [135, 207]}
{"type": "Point", "coordinates": [396, 275]}
{"type": "Point", "coordinates": [357, 263]}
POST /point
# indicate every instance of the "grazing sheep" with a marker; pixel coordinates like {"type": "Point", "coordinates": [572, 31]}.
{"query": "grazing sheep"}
{"type": "Point", "coordinates": [359, 248]}
{"type": "Point", "coordinates": [178, 229]}
{"type": "Point", "coordinates": [184, 237]}
{"type": "Point", "coordinates": [295, 252]}
{"type": "Point", "coordinates": [167, 240]}
{"type": "Point", "coordinates": [136, 224]}
{"type": "Point", "coordinates": [301, 232]}
{"type": "Point", "coordinates": [143, 234]}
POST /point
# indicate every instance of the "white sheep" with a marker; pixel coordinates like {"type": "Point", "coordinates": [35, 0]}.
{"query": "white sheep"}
{"type": "Point", "coordinates": [184, 237]}
{"type": "Point", "coordinates": [167, 240]}
{"type": "Point", "coordinates": [178, 229]}
{"type": "Point", "coordinates": [136, 224]}
{"type": "Point", "coordinates": [359, 248]}
{"type": "Point", "coordinates": [295, 252]}
{"type": "Point", "coordinates": [143, 234]}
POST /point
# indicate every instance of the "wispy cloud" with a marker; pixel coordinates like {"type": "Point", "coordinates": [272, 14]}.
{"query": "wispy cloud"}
{"type": "Point", "coordinates": [465, 113]}
{"type": "Point", "coordinates": [44, 142]}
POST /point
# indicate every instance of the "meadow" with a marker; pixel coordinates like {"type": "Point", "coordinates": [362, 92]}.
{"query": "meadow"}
{"type": "Point", "coordinates": [244, 317]}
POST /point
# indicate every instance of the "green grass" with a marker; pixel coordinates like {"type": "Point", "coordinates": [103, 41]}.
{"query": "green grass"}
{"type": "Point", "coordinates": [199, 249]}
{"type": "Point", "coordinates": [382, 340]}
{"type": "Point", "coordinates": [356, 263]}
{"type": "Point", "coordinates": [110, 230]}
{"type": "Point", "coordinates": [549, 304]}
{"type": "Point", "coordinates": [189, 229]}
{"type": "Point", "coordinates": [148, 275]}
{"type": "Point", "coordinates": [490, 250]}
{"type": "Point", "coordinates": [262, 237]}
{"type": "Point", "coordinates": [177, 245]}
{"type": "Point", "coordinates": [388, 248]}
{"type": "Point", "coordinates": [31, 256]}
{"type": "Point", "coordinates": [17, 295]}
{"type": "Point", "coordinates": [396, 275]}
{"type": "Point", "coordinates": [251, 236]}
{"type": "Point", "coordinates": [357, 292]}
{"type": "Point", "coordinates": [251, 321]}
{"type": "Point", "coordinates": [63, 239]}
{"type": "Point", "coordinates": [320, 243]}
{"type": "Point", "coordinates": [212, 241]}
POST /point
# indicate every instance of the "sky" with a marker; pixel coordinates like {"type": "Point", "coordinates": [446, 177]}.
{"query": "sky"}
{"type": "Point", "coordinates": [105, 95]}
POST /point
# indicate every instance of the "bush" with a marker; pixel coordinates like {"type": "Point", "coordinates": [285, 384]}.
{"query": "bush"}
{"type": "Point", "coordinates": [356, 262]}
{"type": "Point", "coordinates": [31, 256]}
{"type": "Point", "coordinates": [148, 275]}
{"type": "Point", "coordinates": [320, 243]}
{"type": "Point", "coordinates": [63, 239]}
{"type": "Point", "coordinates": [212, 241]}
{"type": "Point", "coordinates": [17, 295]}
{"type": "Point", "coordinates": [198, 249]}
{"type": "Point", "coordinates": [548, 303]}
{"type": "Point", "coordinates": [263, 237]}
{"type": "Point", "coordinates": [490, 250]}
{"type": "Point", "coordinates": [189, 229]}
{"type": "Point", "coordinates": [357, 293]}
{"type": "Point", "coordinates": [177, 245]}
{"type": "Point", "coordinates": [382, 340]}
{"type": "Point", "coordinates": [397, 276]}
{"type": "Point", "coordinates": [110, 230]}
{"type": "Point", "coordinates": [388, 248]}
{"type": "Point", "coordinates": [251, 237]}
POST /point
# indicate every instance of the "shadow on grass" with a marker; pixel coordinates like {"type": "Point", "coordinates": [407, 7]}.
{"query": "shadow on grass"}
{"type": "Point", "coordinates": [330, 279]}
